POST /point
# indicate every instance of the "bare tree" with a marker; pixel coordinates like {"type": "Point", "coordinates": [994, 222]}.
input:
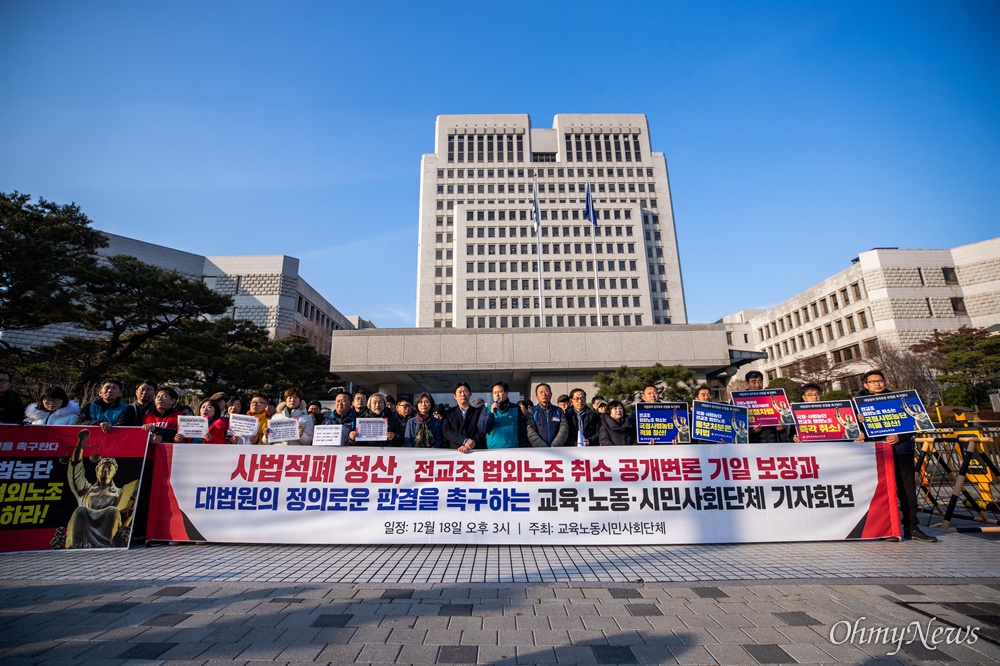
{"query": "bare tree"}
{"type": "Point", "coordinates": [903, 369]}
{"type": "Point", "coordinates": [816, 370]}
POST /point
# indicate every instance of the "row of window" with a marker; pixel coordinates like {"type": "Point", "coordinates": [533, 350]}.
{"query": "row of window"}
{"type": "Point", "coordinates": [554, 266]}
{"type": "Point", "coordinates": [650, 218]}
{"type": "Point", "coordinates": [545, 173]}
{"type": "Point", "coordinates": [525, 285]}
{"type": "Point", "coordinates": [501, 232]}
{"type": "Point", "coordinates": [485, 148]}
{"type": "Point", "coordinates": [818, 308]}
{"type": "Point", "coordinates": [820, 335]}
{"type": "Point", "coordinates": [558, 302]}
{"type": "Point", "coordinates": [598, 147]}
{"type": "Point", "coordinates": [449, 204]}
{"type": "Point", "coordinates": [550, 321]}
{"type": "Point", "coordinates": [315, 315]}
{"type": "Point", "coordinates": [553, 188]}
{"type": "Point", "coordinates": [556, 248]}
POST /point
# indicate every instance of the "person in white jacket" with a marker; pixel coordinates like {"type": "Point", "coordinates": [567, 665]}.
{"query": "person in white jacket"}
{"type": "Point", "coordinates": [295, 408]}
{"type": "Point", "coordinates": [54, 408]}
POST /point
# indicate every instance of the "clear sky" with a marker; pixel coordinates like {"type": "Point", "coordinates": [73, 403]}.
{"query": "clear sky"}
{"type": "Point", "coordinates": [797, 134]}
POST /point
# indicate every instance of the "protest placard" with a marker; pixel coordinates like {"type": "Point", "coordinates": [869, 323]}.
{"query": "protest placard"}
{"type": "Point", "coordinates": [282, 430]}
{"type": "Point", "coordinates": [766, 407]}
{"type": "Point", "coordinates": [662, 423]}
{"type": "Point", "coordinates": [826, 421]}
{"type": "Point", "coordinates": [896, 413]}
{"type": "Point", "coordinates": [328, 435]}
{"type": "Point", "coordinates": [192, 427]}
{"type": "Point", "coordinates": [372, 430]}
{"type": "Point", "coordinates": [719, 422]}
{"type": "Point", "coordinates": [69, 486]}
{"type": "Point", "coordinates": [243, 425]}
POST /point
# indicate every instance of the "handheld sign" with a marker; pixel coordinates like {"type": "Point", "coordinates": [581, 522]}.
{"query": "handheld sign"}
{"type": "Point", "coordinates": [896, 413]}
{"type": "Point", "coordinates": [826, 421]}
{"type": "Point", "coordinates": [662, 423]}
{"type": "Point", "coordinates": [719, 422]}
{"type": "Point", "coordinates": [372, 430]}
{"type": "Point", "coordinates": [243, 425]}
{"type": "Point", "coordinates": [192, 427]}
{"type": "Point", "coordinates": [328, 435]}
{"type": "Point", "coordinates": [767, 407]}
{"type": "Point", "coordinates": [282, 430]}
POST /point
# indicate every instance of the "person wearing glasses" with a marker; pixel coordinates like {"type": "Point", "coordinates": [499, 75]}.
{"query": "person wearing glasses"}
{"type": "Point", "coordinates": [258, 410]}
{"type": "Point", "coordinates": [903, 466]}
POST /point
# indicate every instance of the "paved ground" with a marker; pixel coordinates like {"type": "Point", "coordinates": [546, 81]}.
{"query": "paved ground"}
{"type": "Point", "coordinates": [745, 604]}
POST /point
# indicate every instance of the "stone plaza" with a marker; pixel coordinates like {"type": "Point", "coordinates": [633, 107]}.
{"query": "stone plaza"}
{"type": "Point", "coordinates": [724, 604]}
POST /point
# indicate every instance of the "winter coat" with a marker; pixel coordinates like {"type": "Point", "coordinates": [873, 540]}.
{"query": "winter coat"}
{"type": "Point", "coordinates": [305, 420]}
{"type": "Point", "coordinates": [65, 415]}
{"type": "Point", "coordinates": [547, 427]}
{"type": "Point", "coordinates": [617, 433]}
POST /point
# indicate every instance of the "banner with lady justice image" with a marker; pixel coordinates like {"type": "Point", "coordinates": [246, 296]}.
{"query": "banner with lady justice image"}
{"type": "Point", "coordinates": [68, 486]}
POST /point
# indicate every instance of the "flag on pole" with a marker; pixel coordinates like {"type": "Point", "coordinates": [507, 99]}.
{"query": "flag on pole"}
{"type": "Point", "coordinates": [535, 215]}
{"type": "Point", "coordinates": [588, 208]}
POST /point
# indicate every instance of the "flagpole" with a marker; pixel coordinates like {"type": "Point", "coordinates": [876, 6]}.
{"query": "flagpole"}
{"type": "Point", "coordinates": [591, 214]}
{"type": "Point", "coordinates": [536, 214]}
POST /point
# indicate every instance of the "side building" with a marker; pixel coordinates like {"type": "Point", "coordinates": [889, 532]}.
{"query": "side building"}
{"type": "Point", "coordinates": [266, 290]}
{"type": "Point", "coordinates": [888, 297]}
{"type": "Point", "coordinates": [477, 264]}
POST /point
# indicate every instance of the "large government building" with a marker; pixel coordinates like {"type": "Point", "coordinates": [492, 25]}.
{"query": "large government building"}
{"type": "Point", "coordinates": [478, 253]}
{"type": "Point", "coordinates": [887, 297]}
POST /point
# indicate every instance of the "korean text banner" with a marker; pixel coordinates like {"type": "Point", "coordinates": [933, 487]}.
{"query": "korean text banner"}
{"type": "Point", "coordinates": [893, 414]}
{"type": "Point", "coordinates": [68, 486]}
{"type": "Point", "coordinates": [827, 421]}
{"type": "Point", "coordinates": [765, 407]}
{"type": "Point", "coordinates": [662, 423]}
{"type": "Point", "coordinates": [569, 495]}
{"type": "Point", "coordinates": [720, 423]}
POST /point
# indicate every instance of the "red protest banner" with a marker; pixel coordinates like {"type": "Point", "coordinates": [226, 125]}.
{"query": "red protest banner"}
{"type": "Point", "coordinates": [68, 486]}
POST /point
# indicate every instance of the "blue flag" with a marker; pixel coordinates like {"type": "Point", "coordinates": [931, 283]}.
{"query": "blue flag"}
{"type": "Point", "coordinates": [588, 208]}
{"type": "Point", "coordinates": [535, 215]}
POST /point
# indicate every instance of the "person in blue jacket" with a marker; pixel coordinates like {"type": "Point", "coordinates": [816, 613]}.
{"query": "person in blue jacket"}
{"type": "Point", "coordinates": [503, 422]}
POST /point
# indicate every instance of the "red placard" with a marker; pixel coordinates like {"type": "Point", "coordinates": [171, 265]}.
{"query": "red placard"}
{"type": "Point", "coordinates": [68, 486]}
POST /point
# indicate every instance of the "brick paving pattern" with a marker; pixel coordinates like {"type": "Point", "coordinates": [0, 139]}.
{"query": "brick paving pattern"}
{"type": "Point", "coordinates": [200, 605]}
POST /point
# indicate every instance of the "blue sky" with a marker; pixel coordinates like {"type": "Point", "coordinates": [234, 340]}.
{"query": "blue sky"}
{"type": "Point", "coordinates": [797, 134]}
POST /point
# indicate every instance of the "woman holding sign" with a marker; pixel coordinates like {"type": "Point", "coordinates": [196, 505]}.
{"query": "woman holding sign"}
{"type": "Point", "coordinates": [294, 410]}
{"type": "Point", "coordinates": [363, 433]}
{"type": "Point", "coordinates": [218, 425]}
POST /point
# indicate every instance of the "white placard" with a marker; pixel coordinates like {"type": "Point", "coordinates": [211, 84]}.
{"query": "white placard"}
{"type": "Point", "coordinates": [282, 430]}
{"type": "Point", "coordinates": [328, 435]}
{"type": "Point", "coordinates": [192, 426]}
{"type": "Point", "coordinates": [372, 430]}
{"type": "Point", "coordinates": [243, 425]}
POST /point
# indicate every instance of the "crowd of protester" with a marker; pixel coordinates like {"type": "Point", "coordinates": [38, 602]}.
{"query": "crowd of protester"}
{"type": "Point", "coordinates": [568, 421]}
{"type": "Point", "coordinates": [420, 423]}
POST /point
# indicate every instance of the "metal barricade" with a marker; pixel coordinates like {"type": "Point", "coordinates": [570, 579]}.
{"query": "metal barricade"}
{"type": "Point", "coordinates": [958, 477]}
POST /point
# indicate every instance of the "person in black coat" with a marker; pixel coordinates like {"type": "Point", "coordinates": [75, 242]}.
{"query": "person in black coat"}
{"type": "Point", "coordinates": [903, 466]}
{"type": "Point", "coordinates": [584, 423]}
{"type": "Point", "coordinates": [460, 428]}
{"type": "Point", "coordinates": [617, 428]}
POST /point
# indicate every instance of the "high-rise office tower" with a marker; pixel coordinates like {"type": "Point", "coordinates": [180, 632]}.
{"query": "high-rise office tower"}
{"type": "Point", "coordinates": [479, 256]}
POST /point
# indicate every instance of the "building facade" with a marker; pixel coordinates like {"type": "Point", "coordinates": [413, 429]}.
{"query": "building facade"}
{"type": "Point", "coordinates": [478, 254]}
{"type": "Point", "coordinates": [266, 290]}
{"type": "Point", "coordinates": [887, 298]}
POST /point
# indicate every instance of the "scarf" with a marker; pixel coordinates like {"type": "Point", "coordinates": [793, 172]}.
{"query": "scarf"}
{"type": "Point", "coordinates": [424, 438]}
